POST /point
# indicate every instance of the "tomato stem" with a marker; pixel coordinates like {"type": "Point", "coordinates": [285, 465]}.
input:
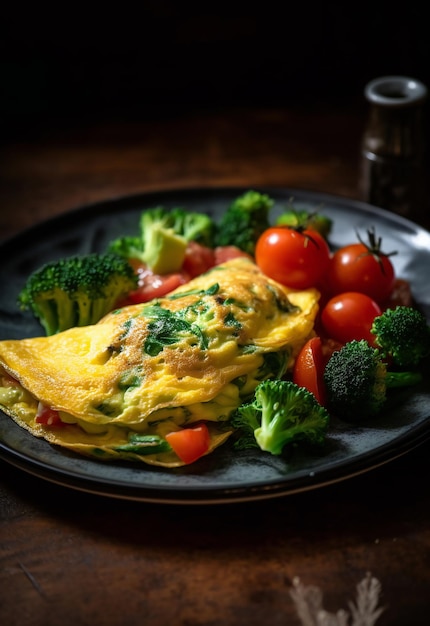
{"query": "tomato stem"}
{"type": "Point", "coordinates": [373, 247]}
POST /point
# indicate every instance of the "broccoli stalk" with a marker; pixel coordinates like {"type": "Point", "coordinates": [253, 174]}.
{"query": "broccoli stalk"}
{"type": "Point", "coordinates": [281, 413]}
{"type": "Point", "coordinates": [143, 445]}
{"type": "Point", "coordinates": [244, 221]}
{"type": "Point", "coordinates": [403, 336]}
{"type": "Point", "coordinates": [163, 238]}
{"type": "Point", "coordinates": [76, 291]}
{"type": "Point", "coordinates": [357, 379]}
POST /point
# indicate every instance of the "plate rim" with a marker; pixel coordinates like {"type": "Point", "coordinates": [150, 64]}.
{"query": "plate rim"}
{"type": "Point", "coordinates": [218, 494]}
{"type": "Point", "coordinates": [289, 192]}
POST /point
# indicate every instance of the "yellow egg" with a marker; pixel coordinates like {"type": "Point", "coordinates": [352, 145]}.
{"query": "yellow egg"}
{"type": "Point", "coordinates": [155, 367]}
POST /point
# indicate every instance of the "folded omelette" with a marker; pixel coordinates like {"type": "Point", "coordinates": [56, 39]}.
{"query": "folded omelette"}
{"type": "Point", "coordinates": [150, 369]}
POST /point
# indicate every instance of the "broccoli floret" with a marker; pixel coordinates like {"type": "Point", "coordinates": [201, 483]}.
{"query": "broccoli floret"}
{"type": "Point", "coordinates": [244, 221]}
{"type": "Point", "coordinates": [306, 219]}
{"type": "Point", "coordinates": [281, 413]}
{"type": "Point", "coordinates": [76, 291]}
{"type": "Point", "coordinates": [193, 226]}
{"type": "Point", "coordinates": [403, 336]}
{"type": "Point", "coordinates": [127, 247]}
{"type": "Point", "coordinates": [163, 237]}
{"type": "Point", "coordinates": [357, 379]}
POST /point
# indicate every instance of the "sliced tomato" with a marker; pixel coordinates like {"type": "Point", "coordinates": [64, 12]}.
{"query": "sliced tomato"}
{"type": "Point", "coordinates": [198, 259]}
{"type": "Point", "coordinates": [190, 443]}
{"type": "Point", "coordinates": [47, 416]}
{"type": "Point", "coordinates": [8, 381]}
{"type": "Point", "coordinates": [401, 294]}
{"type": "Point", "coordinates": [227, 253]}
{"type": "Point", "coordinates": [309, 369]}
{"type": "Point", "coordinates": [152, 285]}
{"type": "Point", "coordinates": [329, 346]}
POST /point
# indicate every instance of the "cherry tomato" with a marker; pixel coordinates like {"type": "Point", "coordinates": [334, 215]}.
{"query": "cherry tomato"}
{"type": "Point", "coordinates": [349, 316]}
{"type": "Point", "coordinates": [361, 267]}
{"type": "Point", "coordinates": [190, 443]}
{"type": "Point", "coordinates": [295, 258]}
{"type": "Point", "coordinates": [309, 369]}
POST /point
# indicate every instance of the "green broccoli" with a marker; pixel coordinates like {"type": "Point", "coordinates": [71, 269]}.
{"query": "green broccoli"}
{"type": "Point", "coordinates": [143, 445]}
{"type": "Point", "coordinates": [403, 336]}
{"type": "Point", "coordinates": [306, 219]}
{"type": "Point", "coordinates": [163, 238]}
{"type": "Point", "coordinates": [357, 379]}
{"type": "Point", "coordinates": [281, 413]}
{"type": "Point", "coordinates": [193, 226]}
{"type": "Point", "coordinates": [76, 291]}
{"type": "Point", "coordinates": [244, 221]}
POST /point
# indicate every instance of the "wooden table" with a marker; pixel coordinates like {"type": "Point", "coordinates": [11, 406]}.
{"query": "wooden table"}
{"type": "Point", "coordinates": [73, 558]}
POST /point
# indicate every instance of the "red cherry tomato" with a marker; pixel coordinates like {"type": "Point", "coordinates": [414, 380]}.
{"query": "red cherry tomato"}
{"type": "Point", "coordinates": [297, 259]}
{"type": "Point", "coordinates": [363, 268]}
{"type": "Point", "coordinates": [349, 316]}
{"type": "Point", "coordinates": [309, 369]}
{"type": "Point", "coordinates": [190, 443]}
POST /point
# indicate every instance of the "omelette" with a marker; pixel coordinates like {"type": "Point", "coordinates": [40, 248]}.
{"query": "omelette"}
{"type": "Point", "coordinates": [146, 370]}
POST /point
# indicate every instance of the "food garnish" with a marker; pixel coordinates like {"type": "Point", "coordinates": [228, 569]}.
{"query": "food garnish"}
{"type": "Point", "coordinates": [195, 331]}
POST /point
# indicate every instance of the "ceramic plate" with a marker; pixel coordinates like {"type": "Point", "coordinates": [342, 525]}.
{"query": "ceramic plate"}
{"type": "Point", "coordinates": [224, 476]}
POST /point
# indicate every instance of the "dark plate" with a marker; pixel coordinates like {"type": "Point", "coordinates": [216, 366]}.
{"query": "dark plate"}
{"type": "Point", "coordinates": [223, 476]}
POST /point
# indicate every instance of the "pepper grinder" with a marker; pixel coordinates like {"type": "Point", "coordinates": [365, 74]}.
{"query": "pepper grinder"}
{"type": "Point", "coordinates": [393, 145]}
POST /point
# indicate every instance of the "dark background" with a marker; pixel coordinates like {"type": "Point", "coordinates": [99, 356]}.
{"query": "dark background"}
{"type": "Point", "coordinates": [72, 65]}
